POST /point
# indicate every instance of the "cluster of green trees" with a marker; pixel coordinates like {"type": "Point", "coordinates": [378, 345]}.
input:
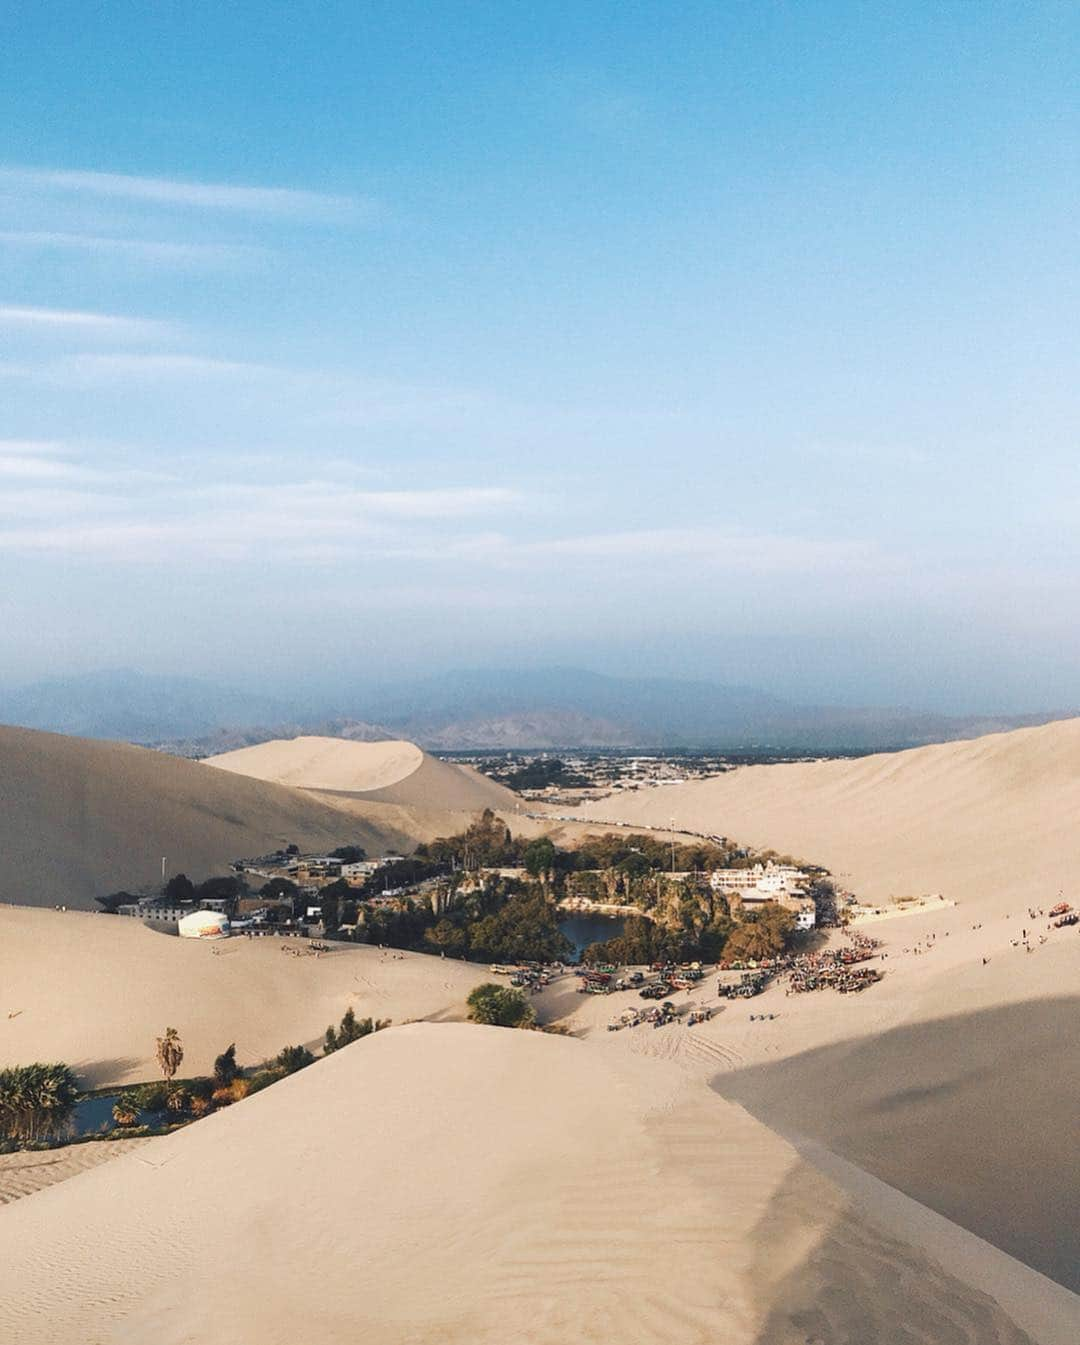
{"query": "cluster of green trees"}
{"type": "Point", "coordinates": [351, 1029]}
{"type": "Point", "coordinates": [539, 774]}
{"type": "Point", "coordinates": [524, 928]}
{"type": "Point", "coordinates": [697, 931]}
{"type": "Point", "coordinates": [37, 1102]}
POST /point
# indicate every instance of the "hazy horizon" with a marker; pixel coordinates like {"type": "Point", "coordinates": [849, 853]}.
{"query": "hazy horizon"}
{"type": "Point", "coordinates": [727, 343]}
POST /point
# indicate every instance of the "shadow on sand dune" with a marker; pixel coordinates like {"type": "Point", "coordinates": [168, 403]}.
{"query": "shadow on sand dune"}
{"type": "Point", "coordinates": [974, 1116]}
{"type": "Point", "coordinates": [856, 1285]}
{"type": "Point", "coordinates": [98, 1073]}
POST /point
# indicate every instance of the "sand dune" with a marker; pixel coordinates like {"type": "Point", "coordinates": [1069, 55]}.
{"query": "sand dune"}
{"type": "Point", "coordinates": [473, 1185]}
{"type": "Point", "coordinates": [24, 1172]}
{"type": "Point", "coordinates": [464, 1185]}
{"type": "Point", "coordinates": [955, 1080]}
{"type": "Point", "coordinates": [380, 772]}
{"type": "Point", "coordinates": [80, 818]}
{"type": "Point", "coordinates": [992, 819]}
{"type": "Point", "coordinates": [96, 990]}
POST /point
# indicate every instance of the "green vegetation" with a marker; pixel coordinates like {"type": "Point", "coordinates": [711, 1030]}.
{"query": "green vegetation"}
{"type": "Point", "coordinates": [349, 854]}
{"type": "Point", "coordinates": [351, 1029]}
{"type": "Point", "coordinates": [525, 929]}
{"type": "Point", "coordinates": [540, 774]}
{"type": "Point", "coordinates": [293, 1058]}
{"type": "Point", "coordinates": [125, 1110]}
{"type": "Point", "coordinates": [225, 1067]}
{"type": "Point", "coordinates": [762, 935]}
{"type": "Point", "coordinates": [456, 903]}
{"type": "Point", "coordinates": [37, 1102]}
{"type": "Point", "coordinates": [500, 1006]}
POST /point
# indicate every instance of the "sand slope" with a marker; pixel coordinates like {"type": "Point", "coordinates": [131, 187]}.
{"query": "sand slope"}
{"type": "Point", "coordinates": [463, 1185]}
{"type": "Point", "coordinates": [992, 819]}
{"type": "Point", "coordinates": [97, 990]}
{"type": "Point", "coordinates": [956, 1080]}
{"type": "Point", "coordinates": [380, 772]}
{"type": "Point", "coordinates": [80, 818]}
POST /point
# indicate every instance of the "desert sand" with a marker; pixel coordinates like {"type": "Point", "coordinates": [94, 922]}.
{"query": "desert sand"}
{"type": "Point", "coordinates": [890, 1166]}
{"type": "Point", "coordinates": [80, 818]}
{"type": "Point", "coordinates": [989, 820]}
{"type": "Point", "coordinates": [442, 1183]}
{"type": "Point", "coordinates": [379, 772]}
{"type": "Point", "coordinates": [955, 1079]}
{"type": "Point", "coordinates": [96, 991]}
{"type": "Point", "coordinates": [23, 1173]}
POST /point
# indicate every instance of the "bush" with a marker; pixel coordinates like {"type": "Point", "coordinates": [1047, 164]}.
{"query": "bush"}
{"type": "Point", "coordinates": [500, 1006]}
{"type": "Point", "coordinates": [126, 1109]}
{"type": "Point", "coordinates": [225, 1067]}
{"type": "Point", "coordinates": [263, 1078]}
{"type": "Point", "coordinates": [233, 1092]}
{"type": "Point", "coordinates": [153, 1097]}
{"type": "Point", "coordinates": [292, 1058]}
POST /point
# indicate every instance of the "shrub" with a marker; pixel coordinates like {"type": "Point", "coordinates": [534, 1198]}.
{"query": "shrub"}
{"type": "Point", "coordinates": [292, 1058]}
{"type": "Point", "coordinates": [153, 1097]}
{"type": "Point", "coordinates": [126, 1109]}
{"type": "Point", "coordinates": [255, 1083]}
{"type": "Point", "coordinates": [179, 1100]}
{"type": "Point", "coordinates": [500, 1006]}
{"type": "Point", "coordinates": [225, 1067]}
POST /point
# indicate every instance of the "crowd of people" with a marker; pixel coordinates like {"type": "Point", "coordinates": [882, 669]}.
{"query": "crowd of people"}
{"type": "Point", "coordinates": [838, 969]}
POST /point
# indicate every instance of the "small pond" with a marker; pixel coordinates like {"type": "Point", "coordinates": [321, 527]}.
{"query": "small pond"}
{"type": "Point", "coordinates": [582, 930]}
{"type": "Point", "coordinates": [93, 1115]}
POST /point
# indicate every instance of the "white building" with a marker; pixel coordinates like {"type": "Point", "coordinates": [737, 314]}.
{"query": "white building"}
{"type": "Point", "coordinates": [762, 880]}
{"type": "Point", "coordinates": [204, 925]}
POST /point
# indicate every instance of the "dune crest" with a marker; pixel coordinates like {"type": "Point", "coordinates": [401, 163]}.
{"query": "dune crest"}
{"type": "Point", "coordinates": [606, 1204]}
{"type": "Point", "coordinates": [349, 774]}
{"type": "Point", "coordinates": [324, 763]}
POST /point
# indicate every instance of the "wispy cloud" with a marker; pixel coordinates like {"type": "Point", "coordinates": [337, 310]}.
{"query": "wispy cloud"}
{"type": "Point", "coordinates": [128, 513]}
{"type": "Point", "coordinates": [73, 321]}
{"type": "Point", "coordinates": [154, 366]}
{"type": "Point", "coordinates": [30, 461]}
{"type": "Point", "coordinates": [633, 551]}
{"type": "Point", "coordinates": [285, 202]}
{"type": "Point", "coordinates": [140, 249]}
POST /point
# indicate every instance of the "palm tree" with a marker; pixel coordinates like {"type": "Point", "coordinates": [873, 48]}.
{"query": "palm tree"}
{"type": "Point", "coordinates": [37, 1101]}
{"type": "Point", "coordinates": [170, 1053]}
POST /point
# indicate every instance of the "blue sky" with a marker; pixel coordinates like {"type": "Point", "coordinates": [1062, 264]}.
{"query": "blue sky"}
{"type": "Point", "coordinates": [731, 340]}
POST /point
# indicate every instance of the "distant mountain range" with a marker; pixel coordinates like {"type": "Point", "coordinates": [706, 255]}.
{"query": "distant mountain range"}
{"type": "Point", "coordinates": [480, 710]}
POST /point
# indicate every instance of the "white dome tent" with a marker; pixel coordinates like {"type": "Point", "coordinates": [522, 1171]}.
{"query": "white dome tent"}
{"type": "Point", "coordinates": [204, 925]}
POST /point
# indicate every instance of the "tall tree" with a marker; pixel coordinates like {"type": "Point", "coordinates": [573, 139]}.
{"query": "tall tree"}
{"type": "Point", "coordinates": [170, 1053]}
